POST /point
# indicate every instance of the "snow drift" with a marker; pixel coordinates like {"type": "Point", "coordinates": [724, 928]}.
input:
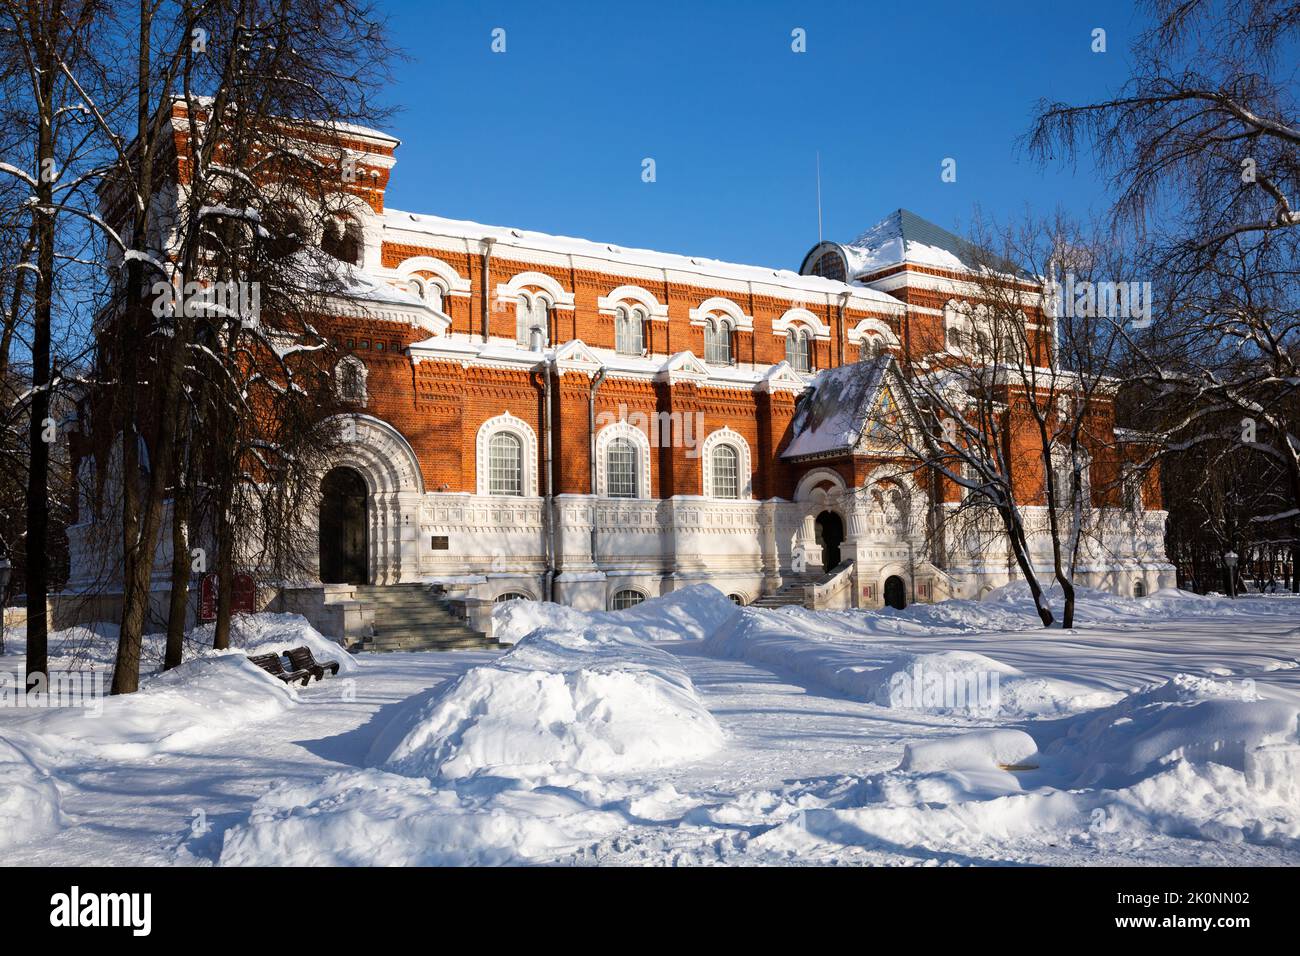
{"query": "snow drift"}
{"type": "Point", "coordinates": [692, 613]}
{"type": "Point", "coordinates": [596, 700]}
{"type": "Point", "coordinates": [829, 649]}
{"type": "Point", "coordinates": [95, 645]}
{"type": "Point", "coordinates": [179, 709]}
{"type": "Point", "coordinates": [373, 818]}
{"type": "Point", "coordinates": [498, 765]}
{"type": "Point", "coordinates": [1184, 758]}
{"type": "Point", "coordinates": [29, 798]}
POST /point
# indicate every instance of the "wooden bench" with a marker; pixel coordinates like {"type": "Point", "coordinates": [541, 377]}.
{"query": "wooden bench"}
{"type": "Point", "coordinates": [302, 659]}
{"type": "Point", "coordinates": [271, 664]}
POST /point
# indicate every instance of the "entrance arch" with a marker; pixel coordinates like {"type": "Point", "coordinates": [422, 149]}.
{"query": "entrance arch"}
{"type": "Point", "coordinates": [829, 528]}
{"type": "Point", "coordinates": [343, 526]}
{"type": "Point", "coordinates": [381, 455]}
{"type": "Point", "coordinates": [895, 592]}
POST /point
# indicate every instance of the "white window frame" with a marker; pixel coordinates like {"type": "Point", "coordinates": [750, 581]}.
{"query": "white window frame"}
{"type": "Point", "coordinates": [362, 395]}
{"type": "Point", "coordinates": [502, 439]}
{"type": "Point", "coordinates": [798, 348]}
{"type": "Point", "coordinates": [629, 330]}
{"type": "Point", "coordinates": [528, 445]}
{"type": "Point", "coordinates": [614, 598]}
{"type": "Point", "coordinates": [719, 334]}
{"type": "Point", "coordinates": [744, 473]}
{"type": "Point", "coordinates": [640, 443]}
{"type": "Point", "coordinates": [533, 309]}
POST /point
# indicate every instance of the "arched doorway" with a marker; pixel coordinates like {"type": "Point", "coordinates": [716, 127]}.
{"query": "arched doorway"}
{"type": "Point", "coordinates": [895, 592]}
{"type": "Point", "coordinates": [343, 528]}
{"type": "Point", "coordinates": [830, 535]}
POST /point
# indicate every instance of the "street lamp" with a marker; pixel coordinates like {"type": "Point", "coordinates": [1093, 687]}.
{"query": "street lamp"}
{"type": "Point", "coordinates": [1230, 559]}
{"type": "Point", "coordinates": [4, 587]}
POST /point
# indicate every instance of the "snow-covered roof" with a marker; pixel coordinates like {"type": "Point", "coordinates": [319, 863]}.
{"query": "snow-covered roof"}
{"type": "Point", "coordinates": [705, 268]}
{"type": "Point", "coordinates": [576, 353]}
{"type": "Point", "coordinates": [833, 412]}
{"type": "Point", "coordinates": [905, 237]}
{"type": "Point", "coordinates": [351, 282]}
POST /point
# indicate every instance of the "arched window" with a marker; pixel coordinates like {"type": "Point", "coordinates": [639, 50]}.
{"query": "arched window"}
{"type": "Point", "coordinates": [628, 597]}
{"type": "Point", "coordinates": [511, 596]}
{"type": "Point", "coordinates": [726, 472]}
{"type": "Point", "coordinates": [956, 327]}
{"type": "Point", "coordinates": [1139, 589]}
{"type": "Point", "coordinates": [532, 312]}
{"type": "Point", "coordinates": [798, 347]}
{"type": "Point", "coordinates": [737, 599]}
{"type": "Point", "coordinates": [629, 331]}
{"type": "Point", "coordinates": [1063, 465]}
{"type": "Point", "coordinates": [342, 239]}
{"type": "Point", "coordinates": [433, 293]}
{"type": "Point", "coordinates": [829, 265]}
{"type": "Point", "coordinates": [428, 290]}
{"type": "Point", "coordinates": [621, 468]}
{"type": "Point", "coordinates": [717, 341]}
{"type": "Point", "coordinates": [1132, 489]}
{"type": "Point", "coordinates": [350, 379]}
{"type": "Point", "coordinates": [505, 465]}
{"type": "Point", "coordinates": [871, 347]}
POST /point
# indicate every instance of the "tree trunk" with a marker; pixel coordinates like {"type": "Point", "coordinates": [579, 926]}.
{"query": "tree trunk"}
{"type": "Point", "coordinates": [38, 474]}
{"type": "Point", "coordinates": [225, 579]}
{"type": "Point", "coordinates": [180, 578]}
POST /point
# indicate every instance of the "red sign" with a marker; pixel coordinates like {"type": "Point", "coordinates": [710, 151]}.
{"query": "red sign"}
{"type": "Point", "coordinates": [208, 597]}
{"type": "Point", "coordinates": [243, 595]}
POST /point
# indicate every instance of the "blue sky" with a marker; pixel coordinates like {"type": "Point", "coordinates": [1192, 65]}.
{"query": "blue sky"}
{"type": "Point", "coordinates": [551, 134]}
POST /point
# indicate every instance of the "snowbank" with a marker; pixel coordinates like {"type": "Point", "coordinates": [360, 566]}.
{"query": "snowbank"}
{"type": "Point", "coordinates": [978, 750]}
{"type": "Point", "coordinates": [692, 613]}
{"type": "Point", "coordinates": [498, 765]}
{"type": "Point", "coordinates": [827, 648]}
{"type": "Point", "coordinates": [95, 645]}
{"type": "Point", "coordinates": [268, 633]}
{"type": "Point", "coordinates": [1185, 758]}
{"type": "Point", "coordinates": [1186, 718]}
{"type": "Point", "coordinates": [29, 798]}
{"type": "Point", "coordinates": [180, 709]}
{"type": "Point", "coordinates": [596, 701]}
{"type": "Point", "coordinates": [373, 818]}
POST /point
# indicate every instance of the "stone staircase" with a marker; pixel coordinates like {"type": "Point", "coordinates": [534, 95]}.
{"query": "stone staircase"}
{"type": "Point", "coordinates": [414, 617]}
{"type": "Point", "coordinates": [791, 593]}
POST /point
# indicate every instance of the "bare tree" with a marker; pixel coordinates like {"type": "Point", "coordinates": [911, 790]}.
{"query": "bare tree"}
{"type": "Point", "coordinates": [1203, 145]}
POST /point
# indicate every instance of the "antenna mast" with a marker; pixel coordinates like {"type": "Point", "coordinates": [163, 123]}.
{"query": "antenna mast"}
{"type": "Point", "coordinates": [819, 196]}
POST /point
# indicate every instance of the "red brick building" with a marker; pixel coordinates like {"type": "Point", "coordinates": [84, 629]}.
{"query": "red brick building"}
{"type": "Point", "coordinates": [544, 416]}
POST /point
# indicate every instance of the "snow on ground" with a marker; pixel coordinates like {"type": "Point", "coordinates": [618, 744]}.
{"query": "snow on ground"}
{"type": "Point", "coordinates": [1162, 730]}
{"type": "Point", "coordinates": [95, 646]}
{"type": "Point", "coordinates": [593, 701]}
{"type": "Point", "coordinates": [505, 758]}
{"type": "Point", "coordinates": [30, 807]}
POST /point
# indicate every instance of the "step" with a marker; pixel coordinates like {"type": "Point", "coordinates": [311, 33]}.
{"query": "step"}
{"type": "Point", "coordinates": [417, 643]}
